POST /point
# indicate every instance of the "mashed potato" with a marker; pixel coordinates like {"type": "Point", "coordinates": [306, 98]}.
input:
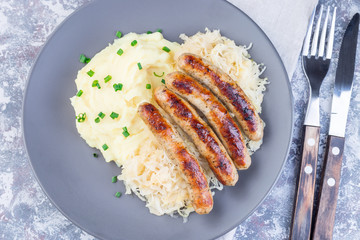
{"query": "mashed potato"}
{"type": "Point", "coordinates": [113, 126]}
{"type": "Point", "coordinates": [123, 70]}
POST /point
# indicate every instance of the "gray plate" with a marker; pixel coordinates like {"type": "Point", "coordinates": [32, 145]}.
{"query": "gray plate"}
{"type": "Point", "coordinates": [80, 185]}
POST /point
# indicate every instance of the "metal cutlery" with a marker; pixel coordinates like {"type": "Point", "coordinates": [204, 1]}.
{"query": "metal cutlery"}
{"type": "Point", "coordinates": [324, 221]}
{"type": "Point", "coordinates": [315, 63]}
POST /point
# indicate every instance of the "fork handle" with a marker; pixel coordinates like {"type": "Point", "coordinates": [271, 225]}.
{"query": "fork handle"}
{"type": "Point", "coordinates": [324, 221]}
{"type": "Point", "coordinates": [303, 208]}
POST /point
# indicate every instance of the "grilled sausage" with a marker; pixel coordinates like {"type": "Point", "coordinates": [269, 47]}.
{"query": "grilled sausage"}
{"type": "Point", "coordinates": [201, 134]}
{"type": "Point", "coordinates": [176, 150]}
{"type": "Point", "coordinates": [217, 115]}
{"type": "Point", "coordinates": [227, 90]}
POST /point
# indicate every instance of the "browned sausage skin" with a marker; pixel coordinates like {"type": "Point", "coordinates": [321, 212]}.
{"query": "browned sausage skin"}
{"type": "Point", "coordinates": [176, 150]}
{"type": "Point", "coordinates": [217, 115]}
{"type": "Point", "coordinates": [201, 134]}
{"type": "Point", "coordinates": [227, 90]}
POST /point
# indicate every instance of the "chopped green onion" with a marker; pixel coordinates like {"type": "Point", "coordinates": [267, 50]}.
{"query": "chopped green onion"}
{"type": "Point", "coordinates": [102, 115]}
{"type": "Point", "coordinates": [118, 34]}
{"type": "Point", "coordinates": [79, 93]}
{"type": "Point", "coordinates": [166, 49]}
{"type": "Point", "coordinates": [114, 115]}
{"type": "Point", "coordinates": [159, 75]}
{"type": "Point", "coordinates": [120, 52]}
{"type": "Point", "coordinates": [159, 30]}
{"type": "Point", "coordinates": [90, 73]}
{"type": "Point", "coordinates": [149, 32]}
{"type": "Point", "coordinates": [139, 66]}
{"type": "Point", "coordinates": [118, 87]}
{"type": "Point", "coordinates": [125, 132]}
{"type": "Point", "coordinates": [118, 194]}
{"type": "Point", "coordinates": [81, 117]}
{"type": "Point", "coordinates": [82, 58]}
{"type": "Point", "coordinates": [133, 43]}
{"type": "Point", "coordinates": [97, 120]}
{"type": "Point", "coordinates": [148, 86]}
{"type": "Point", "coordinates": [105, 147]}
{"type": "Point", "coordinates": [163, 81]}
{"type": "Point", "coordinates": [114, 179]}
{"type": "Point", "coordinates": [95, 155]}
{"type": "Point", "coordinates": [107, 78]}
{"type": "Point", "coordinates": [95, 83]}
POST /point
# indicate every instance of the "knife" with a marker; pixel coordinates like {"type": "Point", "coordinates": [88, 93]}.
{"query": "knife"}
{"type": "Point", "coordinates": [324, 221]}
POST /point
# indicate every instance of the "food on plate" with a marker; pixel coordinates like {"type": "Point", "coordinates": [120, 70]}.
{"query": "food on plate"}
{"type": "Point", "coordinates": [122, 77]}
{"type": "Point", "coordinates": [177, 151]}
{"type": "Point", "coordinates": [113, 84]}
{"type": "Point", "coordinates": [227, 90]}
{"type": "Point", "coordinates": [200, 133]}
{"type": "Point", "coordinates": [215, 112]}
{"type": "Point", "coordinates": [113, 126]}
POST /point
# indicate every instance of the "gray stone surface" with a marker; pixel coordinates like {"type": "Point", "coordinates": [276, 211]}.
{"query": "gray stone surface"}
{"type": "Point", "coordinates": [25, 211]}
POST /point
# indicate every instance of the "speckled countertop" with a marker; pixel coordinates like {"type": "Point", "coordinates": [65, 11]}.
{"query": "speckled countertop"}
{"type": "Point", "coordinates": [25, 211]}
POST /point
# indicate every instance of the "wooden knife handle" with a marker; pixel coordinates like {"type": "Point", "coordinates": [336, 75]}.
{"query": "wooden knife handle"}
{"type": "Point", "coordinates": [303, 208]}
{"type": "Point", "coordinates": [325, 217]}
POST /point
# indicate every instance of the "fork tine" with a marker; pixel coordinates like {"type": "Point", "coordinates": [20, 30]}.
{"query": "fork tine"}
{"type": "Point", "coordinates": [323, 34]}
{"type": "Point", "coordinates": [306, 46]}
{"type": "Point", "coordinates": [316, 34]}
{"type": "Point", "coordinates": [329, 48]}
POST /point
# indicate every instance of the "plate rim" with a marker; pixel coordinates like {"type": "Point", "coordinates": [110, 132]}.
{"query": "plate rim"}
{"type": "Point", "coordinates": [89, 231]}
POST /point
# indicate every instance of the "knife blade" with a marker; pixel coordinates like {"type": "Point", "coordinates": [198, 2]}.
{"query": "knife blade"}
{"type": "Point", "coordinates": [325, 216]}
{"type": "Point", "coordinates": [344, 79]}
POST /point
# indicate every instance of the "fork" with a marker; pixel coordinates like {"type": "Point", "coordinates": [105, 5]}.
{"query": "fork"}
{"type": "Point", "coordinates": [315, 64]}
